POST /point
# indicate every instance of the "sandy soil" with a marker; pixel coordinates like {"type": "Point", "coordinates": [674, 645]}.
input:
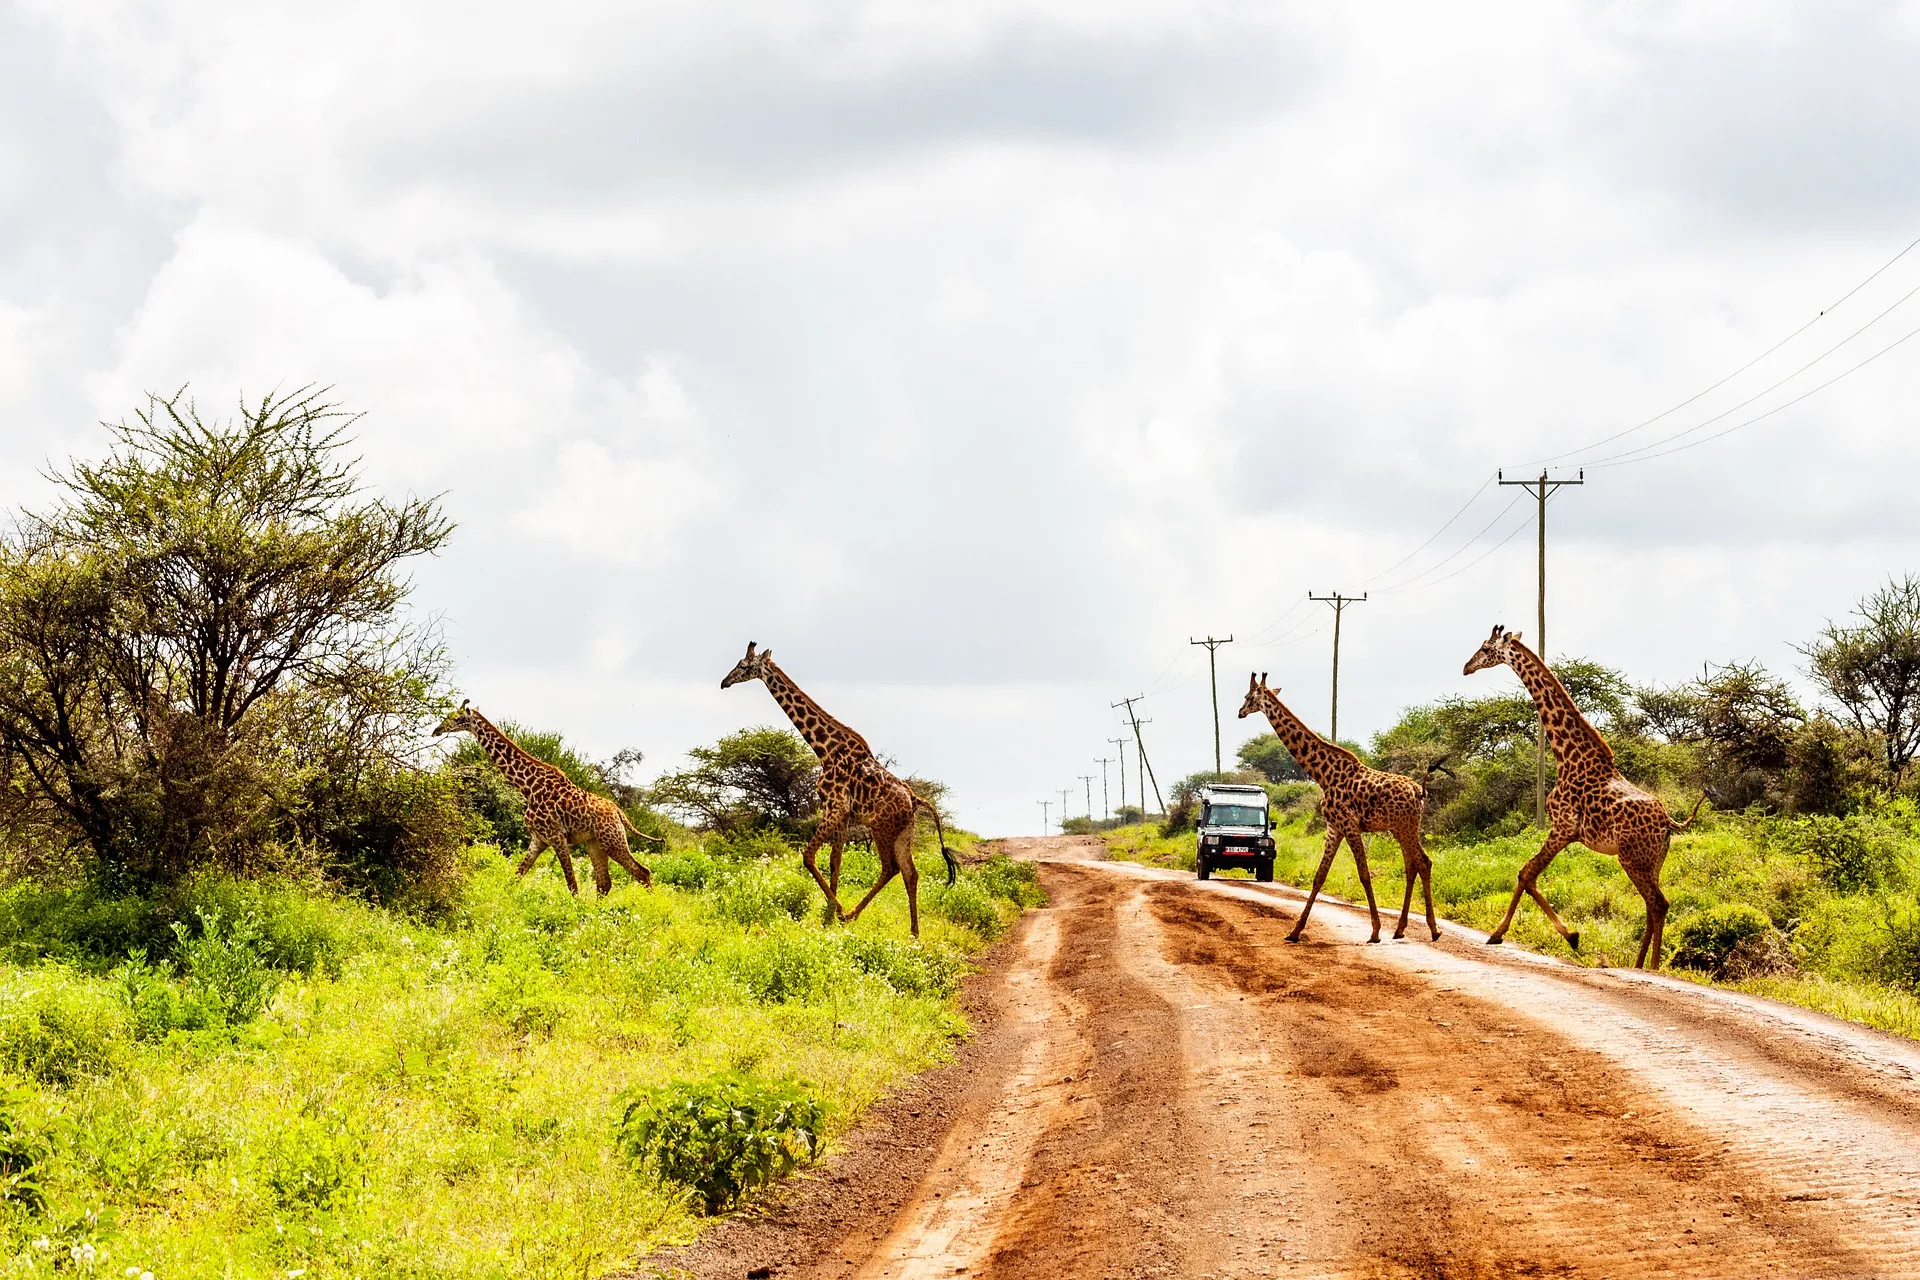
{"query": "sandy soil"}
{"type": "Point", "coordinates": [1166, 1088]}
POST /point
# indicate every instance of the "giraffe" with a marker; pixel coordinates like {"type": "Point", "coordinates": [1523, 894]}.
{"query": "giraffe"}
{"type": "Point", "coordinates": [559, 814]}
{"type": "Point", "coordinates": [853, 784]}
{"type": "Point", "coordinates": [1354, 800]}
{"type": "Point", "coordinates": [1590, 802]}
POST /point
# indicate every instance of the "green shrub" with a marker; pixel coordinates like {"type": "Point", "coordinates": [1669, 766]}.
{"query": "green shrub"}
{"type": "Point", "coordinates": [23, 1156]}
{"type": "Point", "coordinates": [222, 965]}
{"type": "Point", "coordinates": [57, 1027]}
{"type": "Point", "coordinates": [968, 904]}
{"type": "Point", "coordinates": [1003, 877]}
{"type": "Point", "coordinates": [783, 965]}
{"type": "Point", "coordinates": [691, 869]}
{"type": "Point", "coordinates": [907, 967]}
{"type": "Point", "coordinates": [721, 1139]}
{"type": "Point", "coordinates": [1706, 939]}
{"type": "Point", "coordinates": [314, 1162]}
{"type": "Point", "coordinates": [1893, 957]}
{"type": "Point", "coordinates": [524, 995]}
{"type": "Point", "coordinates": [766, 893]}
{"type": "Point", "coordinates": [1859, 851]}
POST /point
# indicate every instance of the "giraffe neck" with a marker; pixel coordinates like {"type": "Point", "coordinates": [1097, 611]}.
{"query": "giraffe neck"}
{"type": "Point", "coordinates": [819, 730]}
{"type": "Point", "coordinates": [1323, 761]}
{"type": "Point", "coordinates": [519, 766]}
{"type": "Point", "coordinates": [1562, 717]}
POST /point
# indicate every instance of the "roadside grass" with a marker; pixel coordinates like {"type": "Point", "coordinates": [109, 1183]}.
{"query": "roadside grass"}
{"type": "Point", "coordinates": [295, 1083]}
{"type": "Point", "coordinates": [1850, 921]}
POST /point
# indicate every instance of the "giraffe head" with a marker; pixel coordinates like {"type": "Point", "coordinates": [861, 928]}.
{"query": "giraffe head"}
{"type": "Point", "coordinates": [752, 667]}
{"type": "Point", "coordinates": [1493, 653]}
{"type": "Point", "coordinates": [462, 719]}
{"type": "Point", "coordinates": [1256, 700]}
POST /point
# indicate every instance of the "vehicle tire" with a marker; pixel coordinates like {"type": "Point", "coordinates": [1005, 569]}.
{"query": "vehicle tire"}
{"type": "Point", "coordinates": [1204, 869]}
{"type": "Point", "coordinates": [1264, 872]}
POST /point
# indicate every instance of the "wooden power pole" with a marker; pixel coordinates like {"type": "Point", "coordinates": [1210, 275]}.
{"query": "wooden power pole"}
{"type": "Point", "coordinates": [1088, 779]}
{"type": "Point", "coordinates": [1541, 489]}
{"type": "Point", "coordinates": [1339, 603]}
{"type": "Point", "coordinates": [1046, 820]}
{"type": "Point", "coordinates": [1106, 810]}
{"type": "Point", "coordinates": [1213, 680]}
{"type": "Point", "coordinates": [1120, 745]}
{"type": "Point", "coordinates": [1140, 747]}
{"type": "Point", "coordinates": [1063, 807]}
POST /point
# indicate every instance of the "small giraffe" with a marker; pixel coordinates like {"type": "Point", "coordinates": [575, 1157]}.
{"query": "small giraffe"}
{"type": "Point", "coordinates": [853, 785]}
{"type": "Point", "coordinates": [1354, 800]}
{"type": "Point", "coordinates": [1590, 802]}
{"type": "Point", "coordinates": [559, 814]}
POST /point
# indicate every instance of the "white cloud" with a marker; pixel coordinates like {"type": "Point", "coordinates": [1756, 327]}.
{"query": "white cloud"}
{"type": "Point", "coordinates": [975, 356]}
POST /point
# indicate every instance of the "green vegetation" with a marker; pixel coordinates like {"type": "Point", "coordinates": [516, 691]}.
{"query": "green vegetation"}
{"type": "Point", "coordinates": [279, 1077]}
{"type": "Point", "coordinates": [272, 1002]}
{"type": "Point", "coordinates": [1819, 911]}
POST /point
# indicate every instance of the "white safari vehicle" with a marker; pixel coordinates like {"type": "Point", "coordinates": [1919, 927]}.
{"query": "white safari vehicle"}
{"type": "Point", "coordinates": [1235, 830]}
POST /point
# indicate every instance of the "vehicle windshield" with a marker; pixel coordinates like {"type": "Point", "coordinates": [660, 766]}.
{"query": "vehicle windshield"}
{"type": "Point", "coordinates": [1236, 815]}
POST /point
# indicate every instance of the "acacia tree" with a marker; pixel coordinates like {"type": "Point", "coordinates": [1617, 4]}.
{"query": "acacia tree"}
{"type": "Point", "coordinates": [213, 611]}
{"type": "Point", "coordinates": [1871, 671]}
{"type": "Point", "coordinates": [763, 777]}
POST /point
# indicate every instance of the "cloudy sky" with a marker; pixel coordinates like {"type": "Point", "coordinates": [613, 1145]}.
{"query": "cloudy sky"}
{"type": "Point", "coordinates": [976, 357]}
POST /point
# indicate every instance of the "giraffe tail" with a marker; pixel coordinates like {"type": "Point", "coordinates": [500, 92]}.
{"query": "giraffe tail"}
{"type": "Point", "coordinates": [637, 831]}
{"type": "Point", "coordinates": [953, 863]}
{"type": "Point", "coordinates": [1682, 826]}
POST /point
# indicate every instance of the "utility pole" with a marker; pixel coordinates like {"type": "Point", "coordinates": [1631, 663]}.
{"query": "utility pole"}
{"type": "Point", "coordinates": [1088, 779]}
{"type": "Point", "coordinates": [1120, 744]}
{"type": "Point", "coordinates": [1046, 820]}
{"type": "Point", "coordinates": [1063, 807]}
{"type": "Point", "coordinates": [1541, 489]}
{"type": "Point", "coordinates": [1140, 746]}
{"type": "Point", "coordinates": [1213, 678]}
{"type": "Point", "coordinates": [1106, 810]}
{"type": "Point", "coordinates": [1339, 603]}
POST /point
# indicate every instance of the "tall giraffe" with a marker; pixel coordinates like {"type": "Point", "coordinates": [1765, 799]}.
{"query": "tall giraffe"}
{"type": "Point", "coordinates": [1354, 799]}
{"type": "Point", "coordinates": [853, 784]}
{"type": "Point", "coordinates": [1590, 802]}
{"type": "Point", "coordinates": [559, 814]}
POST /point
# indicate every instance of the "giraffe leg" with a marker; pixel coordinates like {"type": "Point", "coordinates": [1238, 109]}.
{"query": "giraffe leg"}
{"type": "Point", "coordinates": [602, 877]}
{"type": "Point", "coordinates": [1319, 878]}
{"type": "Point", "coordinates": [1648, 883]}
{"type": "Point", "coordinates": [830, 821]}
{"type": "Point", "coordinates": [1426, 885]}
{"type": "Point", "coordinates": [617, 850]}
{"type": "Point", "coordinates": [834, 849]}
{"type": "Point", "coordinates": [886, 843]}
{"type": "Point", "coordinates": [564, 852]}
{"type": "Point", "coordinates": [909, 876]}
{"type": "Point", "coordinates": [1409, 870]}
{"type": "Point", "coordinates": [1556, 841]}
{"type": "Point", "coordinates": [536, 845]}
{"type": "Point", "coordinates": [1359, 845]}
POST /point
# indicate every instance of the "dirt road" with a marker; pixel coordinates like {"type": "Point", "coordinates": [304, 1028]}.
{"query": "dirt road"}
{"type": "Point", "coordinates": [1169, 1089]}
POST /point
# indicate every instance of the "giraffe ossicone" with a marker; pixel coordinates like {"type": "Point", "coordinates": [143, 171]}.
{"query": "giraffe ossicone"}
{"type": "Point", "coordinates": [559, 813]}
{"type": "Point", "coordinates": [853, 785]}
{"type": "Point", "coordinates": [1354, 800]}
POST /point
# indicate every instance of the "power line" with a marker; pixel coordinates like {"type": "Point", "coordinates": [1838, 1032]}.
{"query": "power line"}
{"type": "Point", "coordinates": [1436, 533]}
{"type": "Point", "coordinates": [1622, 460]}
{"type": "Point", "coordinates": [1664, 413]}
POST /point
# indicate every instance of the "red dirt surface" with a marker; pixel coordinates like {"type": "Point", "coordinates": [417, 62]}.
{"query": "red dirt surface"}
{"type": "Point", "coordinates": [1165, 1088]}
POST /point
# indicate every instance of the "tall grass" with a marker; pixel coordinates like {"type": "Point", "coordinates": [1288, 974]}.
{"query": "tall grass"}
{"type": "Point", "coordinates": [292, 1082]}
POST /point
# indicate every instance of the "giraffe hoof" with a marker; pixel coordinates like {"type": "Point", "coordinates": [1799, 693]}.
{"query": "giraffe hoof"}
{"type": "Point", "coordinates": [1293, 937]}
{"type": "Point", "coordinates": [1436, 935]}
{"type": "Point", "coordinates": [1573, 940]}
{"type": "Point", "coordinates": [1494, 942]}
